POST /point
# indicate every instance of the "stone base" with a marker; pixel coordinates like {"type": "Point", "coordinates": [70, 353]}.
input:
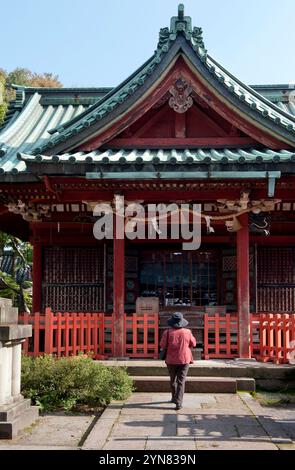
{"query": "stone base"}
{"type": "Point", "coordinates": [16, 416]}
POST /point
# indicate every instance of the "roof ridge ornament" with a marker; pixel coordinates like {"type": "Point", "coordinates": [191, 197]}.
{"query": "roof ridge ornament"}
{"type": "Point", "coordinates": [181, 24]}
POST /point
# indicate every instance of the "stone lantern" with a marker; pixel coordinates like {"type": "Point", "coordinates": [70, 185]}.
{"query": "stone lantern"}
{"type": "Point", "coordinates": [16, 412]}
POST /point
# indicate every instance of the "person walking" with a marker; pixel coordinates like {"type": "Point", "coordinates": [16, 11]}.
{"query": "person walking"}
{"type": "Point", "coordinates": [178, 341]}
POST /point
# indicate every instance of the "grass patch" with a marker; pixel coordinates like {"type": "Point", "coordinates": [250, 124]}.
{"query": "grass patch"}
{"type": "Point", "coordinates": [277, 399]}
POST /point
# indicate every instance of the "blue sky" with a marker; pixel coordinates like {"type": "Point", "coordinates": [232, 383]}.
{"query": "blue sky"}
{"type": "Point", "coordinates": [101, 42]}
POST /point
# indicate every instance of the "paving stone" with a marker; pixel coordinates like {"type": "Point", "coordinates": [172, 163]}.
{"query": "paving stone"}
{"type": "Point", "coordinates": [99, 434]}
{"type": "Point", "coordinates": [129, 410]}
{"type": "Point", "coordinates": [213, 430]}
{"type": "Point", "coordinates": [140, 397]}
{"type": "Point", "coordinates": [255, 430]}
{"type": "Point", "coordinates": [144, 429]}
{"type": "Point", "coordinates": [235, 445]}
{"type": "Point", "coordinates": [111, 413]}
{"type": "Point", "coordinates": [226, 399]}
{"type": "Point", "coordinates": [55, 430]}
{"type": "Point", "coordinates": [125, 444]}
{"type": "Point", "coordinates": [170, 444]}
{"type": "Point", "coordinates": [152, 419]}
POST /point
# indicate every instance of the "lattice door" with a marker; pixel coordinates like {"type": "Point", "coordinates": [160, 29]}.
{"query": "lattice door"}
{"type": "Point", "coordinates": [73, 279]}
{"type": "Point", "coordinates": [276, 279]}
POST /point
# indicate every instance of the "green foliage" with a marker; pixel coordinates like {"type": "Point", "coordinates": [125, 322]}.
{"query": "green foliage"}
{"type": "Point", "coordinates": [22, 253]}
{"type": "Point", "coordinates": [3, 103]}
{"type": "Point", "coordinates": [23, 77]}
{"type": "Point", "coordinates": [9, 289]}
{"type": "Point", "coordinates": [68, 382]}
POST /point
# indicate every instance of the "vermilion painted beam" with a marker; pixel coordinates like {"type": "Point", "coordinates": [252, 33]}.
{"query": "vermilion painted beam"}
{"type": "Point", "coordinates": [179, 142]}
{"type": "Point", "coordinates": [119, 296]}
{"type": "Point", "coordinates": [243, 288]}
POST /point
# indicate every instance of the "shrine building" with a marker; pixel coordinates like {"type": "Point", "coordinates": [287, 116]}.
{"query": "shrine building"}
{"type": "Point", "coordinates": [181, 129]}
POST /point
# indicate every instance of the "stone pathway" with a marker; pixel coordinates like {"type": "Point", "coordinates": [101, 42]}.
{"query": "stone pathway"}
{"type": "Point", "coordinates": [147, 421]}
{"type": "Point", "coordinates": [206, 422]}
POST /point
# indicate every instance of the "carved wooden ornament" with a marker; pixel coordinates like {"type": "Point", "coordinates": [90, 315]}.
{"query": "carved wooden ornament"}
{"type": "Point", "coordinates": [181, 100]}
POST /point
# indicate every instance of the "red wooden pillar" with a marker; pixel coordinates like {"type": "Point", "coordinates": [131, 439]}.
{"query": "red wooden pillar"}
{"type": "Point", "coordinates": [119, 296]}
{"type": "Point", "coordinates": [37, 276]}
{"type": "Point", "coordinates": [243, 288]}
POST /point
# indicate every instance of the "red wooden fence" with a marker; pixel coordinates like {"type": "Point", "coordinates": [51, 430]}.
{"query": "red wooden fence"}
{"type": "Point", "coordinates": [141, 335]}
{"type": "Point", "coordinates": [67, 334]}
{"type": "Point", "coordinates": [220, 336]}
{"type": "Point", "coordinates": [276, 333]}
{"type": "Point", "coordinates": [272, 337]}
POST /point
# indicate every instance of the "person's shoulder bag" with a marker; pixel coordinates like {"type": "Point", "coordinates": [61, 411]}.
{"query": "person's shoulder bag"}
{"type": "Point", "coordinates": [163, 352]}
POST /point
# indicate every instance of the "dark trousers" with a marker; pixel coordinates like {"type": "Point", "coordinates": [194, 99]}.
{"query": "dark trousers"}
{"type": "Point", "coordinates": [178, 375]}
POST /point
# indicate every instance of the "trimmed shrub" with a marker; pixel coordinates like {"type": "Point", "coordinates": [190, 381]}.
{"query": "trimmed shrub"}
{"type": "Point", "coordinates": [68, 382]}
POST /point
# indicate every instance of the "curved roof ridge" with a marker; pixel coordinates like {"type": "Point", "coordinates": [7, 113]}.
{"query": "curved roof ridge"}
{"type": "Point", "coordinates": [251, 90]}
{"type": "Point", "coordinates": [111, 93]}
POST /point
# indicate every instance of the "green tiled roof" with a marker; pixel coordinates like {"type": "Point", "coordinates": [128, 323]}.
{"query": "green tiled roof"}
{"type": "Point", "coordinates": [32, 116]}
{"type": "Point", "coordinates": [170, 157]}
{"type": "Point", "coordinates": [41, 118]}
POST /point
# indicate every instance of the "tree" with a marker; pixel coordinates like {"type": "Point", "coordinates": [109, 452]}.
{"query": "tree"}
{"type": "Point", "coordinates": [24, 77]}
{"type": "Point", "coordinates": [14, 284]}
{"type": "Point", "coordinates": [3, 102]}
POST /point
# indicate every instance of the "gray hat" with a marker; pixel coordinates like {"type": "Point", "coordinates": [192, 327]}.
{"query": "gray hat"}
{"type": "Point", "coordinates": [177, 321]}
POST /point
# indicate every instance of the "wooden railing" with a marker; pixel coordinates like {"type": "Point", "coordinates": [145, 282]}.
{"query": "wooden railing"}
{"type": "Point", "coordinates": [141, 335]}
{"type": "Point", "coordinates": [69, 334]}
{"type": "Point", "coordinates": [220, 336]}
{"type": "Point", "coordinates": [272, 337]}
{"type": "Point", "coordinates": [66, 334]}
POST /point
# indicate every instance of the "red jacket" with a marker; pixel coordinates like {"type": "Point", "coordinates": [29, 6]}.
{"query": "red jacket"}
{"type": "Point", "coordinates": [179, 343]}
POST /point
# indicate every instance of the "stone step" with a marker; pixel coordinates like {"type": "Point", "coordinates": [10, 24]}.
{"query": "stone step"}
{"type": "Point", "coordinates": [246, 384]}
{"type": "Point", "coordinates": [193, 384]}
{"type": "Point", "coordinates": [8, 430]}
{"type": "Point", "coordinates": [14, 409]}
{"type": "Point", "coordinates": [160, 370]}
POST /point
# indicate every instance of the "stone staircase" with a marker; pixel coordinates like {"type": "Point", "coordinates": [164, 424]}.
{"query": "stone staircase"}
{"type": "Point", "coordinates": [152, 376]}
{"type": "Point", "coordinates": [193, 384]}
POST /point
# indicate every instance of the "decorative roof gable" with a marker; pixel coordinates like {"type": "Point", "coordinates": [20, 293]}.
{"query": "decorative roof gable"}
{"type": "Point", "coordinates": [59, 122]}
{"type": "Point", "coordinates": [180, 39]}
